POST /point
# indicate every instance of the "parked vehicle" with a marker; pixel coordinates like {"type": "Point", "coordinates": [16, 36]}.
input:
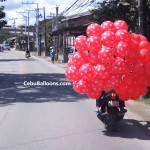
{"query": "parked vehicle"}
{"type": "Point", "coordinates": [71, 51]}
{"type": "Point", "coordinates": [113, 114]}
{"type": "Point", "coordinates": [6, 45]}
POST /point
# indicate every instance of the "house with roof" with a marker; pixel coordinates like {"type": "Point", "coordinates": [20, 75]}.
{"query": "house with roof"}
{"type": "Point", "coordinates": [67, 31]}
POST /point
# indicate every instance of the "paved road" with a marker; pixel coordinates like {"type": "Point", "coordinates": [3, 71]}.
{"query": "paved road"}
{"type": "Point", "coordinates": [55, 117]}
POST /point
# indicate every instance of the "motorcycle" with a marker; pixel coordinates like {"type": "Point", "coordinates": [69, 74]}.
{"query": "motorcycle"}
{"type": "Point", "coordinates": [27, 55]}
{"type": "Point", "coordinates": [113, 114]}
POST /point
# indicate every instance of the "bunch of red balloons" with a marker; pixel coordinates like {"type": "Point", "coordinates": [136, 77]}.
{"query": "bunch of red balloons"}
{"type": "Point", "coordinates": [110, 57]}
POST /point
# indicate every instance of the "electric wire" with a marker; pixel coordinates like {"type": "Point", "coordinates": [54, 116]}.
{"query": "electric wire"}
{"type": "Point", "coordinates": [81, 6]}
{"type": "Point", "coordinates": [69, 7]}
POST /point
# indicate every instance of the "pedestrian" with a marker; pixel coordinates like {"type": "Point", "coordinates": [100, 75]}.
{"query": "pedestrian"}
{"type": "Point", "coordinates": [52, 55]}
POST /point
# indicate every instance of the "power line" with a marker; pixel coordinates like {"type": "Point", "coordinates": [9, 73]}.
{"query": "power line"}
{"type": "Point", "coordinates": [68, 4]}
{"type": "Point", "coordinates": [69, 7]}
{"type": "Point", "coordinates": [31, 10]}
{"type": "Point", "coordinates": [81, 8]}
{"type": "Point", "coordinates": [83, 3]}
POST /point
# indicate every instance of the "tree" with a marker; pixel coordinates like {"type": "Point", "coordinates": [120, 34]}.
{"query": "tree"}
{"type": "Point", "coordinates": [4, 35]}
{"type": "Point", "coordinates": [2, 15]}
{"type": "Point", "coordinates": [148, 19]}
{"type": "Point", "coordinates": [113, 10]}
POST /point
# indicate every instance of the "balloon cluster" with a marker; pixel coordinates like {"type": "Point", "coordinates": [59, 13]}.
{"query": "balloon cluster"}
{"type": "Point", "coordinates": [115, 59]}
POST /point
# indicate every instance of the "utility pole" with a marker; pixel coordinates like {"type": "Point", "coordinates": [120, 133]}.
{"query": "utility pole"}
{"type": "Point", "coordinates": [142, 16]}
{"type": "Point", "coordinates": [45, 43]}
{"type": "Point", "coordinates": [28, 33]}
{"type": "Point", "coordinates": [14, 26]}
{"type": "Point", "coordinates": [37, 27]}
{"type": "Point", "coordinates": [37, 30]}
{"type": "Point", "coordinates": [27, 18]}
{"type": "Point", "coordinates": [56, 17]}
{"type": "Point", "coordinates": [25, 24]}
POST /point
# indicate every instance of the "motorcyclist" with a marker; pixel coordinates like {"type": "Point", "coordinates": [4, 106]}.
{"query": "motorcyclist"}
{"type": "Point", "coordinates": [100, 106]}
{"type": "Point", "coordinates": [28, 52]}
{"type": "Point", "coordinates": [99, 103]}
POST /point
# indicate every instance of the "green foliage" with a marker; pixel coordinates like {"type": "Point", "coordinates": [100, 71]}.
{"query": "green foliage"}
{"type": "Point", "coordinates": [148, 19]}
{"type": "Point", "coordinates": [4, 35]}
{"type": "Point", "coordinates": [49, 40]}
{"type": "Point", "coordinates": [126, 10]}
{"type": "Point", "coordinates": [2, 15]}
{"type": "Point", "coordinates": [117, 10]}
{"type": "Point", "coordinates": [48, 30]}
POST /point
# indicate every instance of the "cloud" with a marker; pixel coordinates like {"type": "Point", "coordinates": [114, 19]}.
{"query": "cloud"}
{"type": "Point", "coordinates": [14, 6]}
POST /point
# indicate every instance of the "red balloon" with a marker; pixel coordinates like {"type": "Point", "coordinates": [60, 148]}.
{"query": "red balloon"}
{"type": "Point", "coordinates": [108, 38]}
{"type": "Point", "coordinates": [124, 97]}
{"type": "Point", "coordinates": [94, 43]}
{"type": "Point", "coordinates": [80, 43]}
{"type": "Point", "coordinates": [79, 59]}
{"type": "Point", "coordinates": [122, 35]}
{"type": "Point", "coordinates": [135, 37]}
{"type": "Point", "coordinates": [105, 55]}
{"type": "Point", "coordinates": [86, 71]}
{"type": "Point", "coordinates": [143, 90]}
{"type": "Point", "coordinates": [115, 81]}
{"type": "Point", "coordinates": [93, 29]}
{"type": "Point", "coordinates": [143, 38]}
{"type": "Point", "coordinates": [133, 56]}
{"type": "Point", "coordinates": [136, 93]}
{"type": "Point", "coordinates": [118, 65]}
{"type": "Point", "coordinates": [130, 89]}
{"type": "Point", "coordinates": [107, 26]}
{"type": "Point", "coordinates": [93, 58]}
{"type": "Point", "coordinates": [98, 85]}
{"type": "Point", "coordinates": [94, 94]}
{"type": "Point", "coordinates": [147, 79]}
{"type": "Point", "coordinates": [81, 87]}
{"type": "Point", "coordinates": [70, 62]}
{"type": "Point", "coordinates": [72, 73]}
{"type": "Point", "coordinates": [101, 72]}
{"type": "Point", "coordinates": [121, 49]}
{"type": "Point", "coordinates": [74, 85]}
{"type": "Point", "coordinates": [147, 68]}
{"type": "Point", "coordinates": [120, 24]}
{"type": "Point", "coordinates": [143, 80]}
{"type": "Point", "coordinates": [144, 45]}
{"type": "Point", "coordinates": [139, 68]}
{"type": "Point", "coordinates": [129, 79]}
{"type": "Point", "coordinates": [145, 54]}
{"type": "Point", "coordinates": [116, 60]}
{"type": "Point", "coordinates": [135, 97]}
{"type": "Point", "coordinates": [130, 66]}
{"type": "Point", "coordinates": [133, 44]}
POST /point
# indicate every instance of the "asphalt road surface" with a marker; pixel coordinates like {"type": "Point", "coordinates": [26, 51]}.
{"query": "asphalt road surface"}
{"type": "Point", "coordinates": [54, 117]}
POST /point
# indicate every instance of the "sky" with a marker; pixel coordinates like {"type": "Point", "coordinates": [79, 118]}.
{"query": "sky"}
{"type": "Point", "coordinates": [12, 7]}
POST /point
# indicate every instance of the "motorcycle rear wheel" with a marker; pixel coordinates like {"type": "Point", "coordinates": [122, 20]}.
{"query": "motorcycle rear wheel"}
{"type": "Point", "coordinates": [111, 123]}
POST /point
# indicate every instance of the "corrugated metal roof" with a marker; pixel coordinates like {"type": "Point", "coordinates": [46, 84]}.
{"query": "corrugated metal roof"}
{"type": "Point", "coordinates": [77, 15]}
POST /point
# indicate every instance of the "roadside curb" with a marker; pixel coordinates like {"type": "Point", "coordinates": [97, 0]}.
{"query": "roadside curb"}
{"type": "Point", "coordinates": [56, 63]}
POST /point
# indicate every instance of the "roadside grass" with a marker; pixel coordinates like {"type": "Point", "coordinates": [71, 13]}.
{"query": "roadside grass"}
{"type": "Point", "coordinates": [144, 100]}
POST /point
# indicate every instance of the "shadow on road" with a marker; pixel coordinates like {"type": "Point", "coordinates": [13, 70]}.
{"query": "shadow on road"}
{"type": "Point", "coordinates": [13, 90]}
{"type": "Point", "coordinates": [130, 128]}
